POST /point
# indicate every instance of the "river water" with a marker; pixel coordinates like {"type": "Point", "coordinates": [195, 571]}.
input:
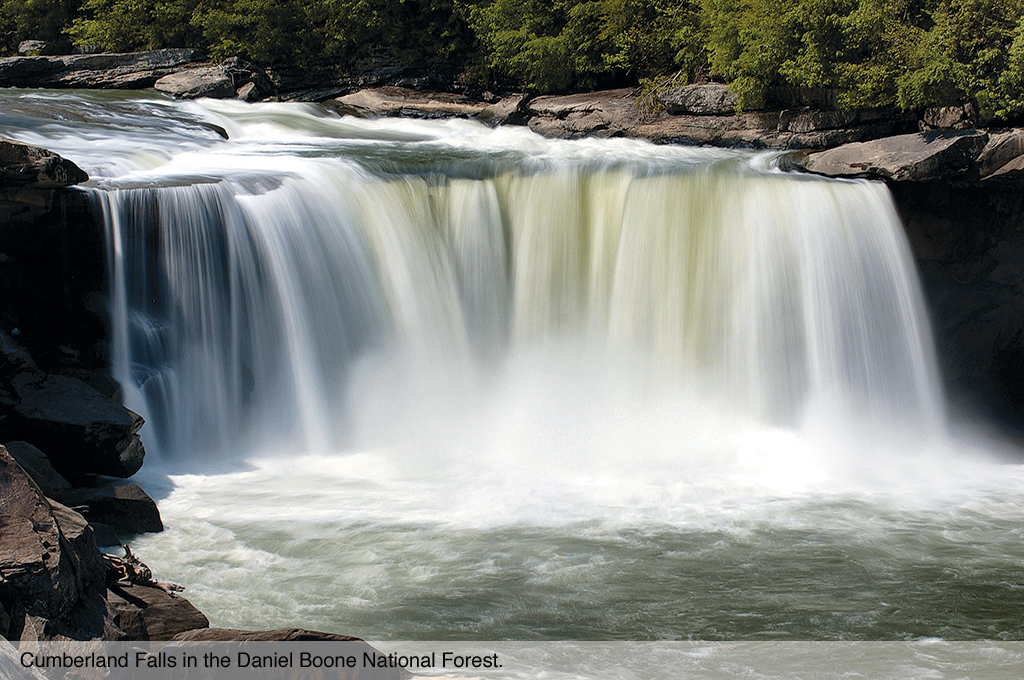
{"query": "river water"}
{"type": "Point", "coordinates": [424, 380]}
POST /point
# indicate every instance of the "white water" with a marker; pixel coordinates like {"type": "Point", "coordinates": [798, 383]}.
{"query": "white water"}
{"type": "Point", "coordinates": [429, 380]}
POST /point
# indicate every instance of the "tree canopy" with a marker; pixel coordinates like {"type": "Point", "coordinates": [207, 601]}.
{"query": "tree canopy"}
{"type": "Point", "coordinates": [906, 53]}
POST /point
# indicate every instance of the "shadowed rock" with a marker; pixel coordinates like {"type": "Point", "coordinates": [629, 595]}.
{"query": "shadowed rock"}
{"type": "Point", "coordinates": [146, 613]}
{"type": "Point", "coordinates": [125, 507]}
{"type": "Point", "coordinates": [38, 467]}
{"type": "Point", "coordinates": [82, 431]}
{"type": "Point", "coordinates": [26, 165]}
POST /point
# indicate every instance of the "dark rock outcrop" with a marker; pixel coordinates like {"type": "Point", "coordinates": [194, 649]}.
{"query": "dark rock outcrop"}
{"type": "Point", "coordinates": [37, 466]}
{"type": "Point", "coordinates": [26, 165]}
{"type": "Point", "coordinates": [125, 507]}
{"type": "Point", "coordinates": [968, 240]}
{"type": "Point", "coordinates": [51, 578]}
{"type": "Point", "coordinates": [82, 431]}
{"type": "Point", "coordinates": [919, 157]}
{"type": "Point", "coordinates": [111, 71]}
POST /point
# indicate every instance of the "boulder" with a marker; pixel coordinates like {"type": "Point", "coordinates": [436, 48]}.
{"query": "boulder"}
{"type": "Point", "coordinates": [591, 114]}
{"type": "Point", "coordinates": [704, 99]}
{"type": "Point", "coordinates": [37, 568]}
{"type": "Point", "coordinates": [38, 467]}
{"type": "Point", "coordinates": [147, 613]}
{"type": "Point", "coordinates": [1003, 155]}
{"type": "Point", "coordinates": [38, 48]}
{"type": "Point", "coordinates": [82, 431]}
{"type": "Point", "coordinates": [951, 117]}
{"type": "Point", "coordinates": [26, 165]}
{"type": "Point", "coordinates": [133, 70]}
{"type": "Point", "coordinates": [197, 81]}
{"type": "Point", "coordinates": [924, 156]}
{"type": "Point", "coordinates": [248, 93]}
{"type": "Point", "coordinates": [125, 507]}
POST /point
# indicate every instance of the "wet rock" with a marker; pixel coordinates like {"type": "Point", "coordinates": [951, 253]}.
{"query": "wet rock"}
{"type": "Point", "coordinates": [38, 467]}
{"type": "Point", "coordinates": [705, 99]}
{"type": "Point", "coordinates": [146, 613]}
{"type": "Point", "coordinates": [924, 156]}
{"type": "Point", "coordinates": [24, 165]}
{"type": "Point", "coordinates": [125, 507]}
{"type": "Point", "coordinates": [198, 81]}
{"type": "Point", "coordinates": [134, 70]}
{"type": "Point", "coordinates": [81, 430]}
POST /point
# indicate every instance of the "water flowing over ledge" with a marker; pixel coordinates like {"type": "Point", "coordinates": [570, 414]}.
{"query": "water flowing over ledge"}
{"type": "Point", "coordinates": [474, 383]}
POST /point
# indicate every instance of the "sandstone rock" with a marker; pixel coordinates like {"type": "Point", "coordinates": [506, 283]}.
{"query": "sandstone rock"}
{"type": "Point", "coordinates": [38, 467]}
{"type": "Point", "coordinates": [26, 165]}
{"type": "Point", "coordinates": [248, 93]}
{"type": "Point", "coordinates": [917, 157]}
{"type": "Point", "coordinates": [768, 129]}
{"type": "Point", "coordinates": [1004, 154]}
{"type": "Point", "coordinates": [399, 101]}
{"type": "Point", "coordinates": [162, 616]}
{"type": "Point", "coordinates": [706, 99]}
{"type": "Point", "coordinates": [36, 566]}
{"type": "Point", "coordinates": [599, 114]}
{"type": "Point", "coordinates": [125, 507]}
{"type": "Point", "coordinates": [116, 71]}
{"type": "Point", "coordinates": [198, 81]}
{"type": "Point", "coordinates": [82, 431]}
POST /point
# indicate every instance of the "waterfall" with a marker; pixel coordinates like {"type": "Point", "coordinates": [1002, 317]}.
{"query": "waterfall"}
{"type": "Point", "coordinates": [269, 301]}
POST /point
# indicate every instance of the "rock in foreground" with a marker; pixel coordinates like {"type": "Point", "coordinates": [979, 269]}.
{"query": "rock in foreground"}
{"type": "Point", "coordinates": [25, 165]}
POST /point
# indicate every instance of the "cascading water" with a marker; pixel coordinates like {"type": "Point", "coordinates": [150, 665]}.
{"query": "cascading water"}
{"type": "Point", "coordinates": [429, 380]}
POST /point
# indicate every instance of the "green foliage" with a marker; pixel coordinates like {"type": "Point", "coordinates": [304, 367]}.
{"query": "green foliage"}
{"type": "Point", "coordinates": [910, 53]}
{"type": "Point", "coordinates": [971, 52]}
{"type": "Point", "coordinates": [127, 25]}
{"type": "Point", "coordinates": [35, 20]}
